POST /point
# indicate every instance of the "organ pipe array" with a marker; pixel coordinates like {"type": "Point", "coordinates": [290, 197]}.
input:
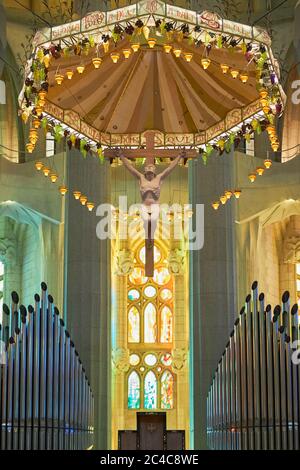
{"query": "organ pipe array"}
{"type": "Point", "coordinates": [46, 401]}
{"type": "Point", "coordinates": [254, 400]}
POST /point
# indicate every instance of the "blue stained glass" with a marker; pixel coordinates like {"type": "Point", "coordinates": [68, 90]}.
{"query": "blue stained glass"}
{"type": "Point", "coordinates": [134, 391]}
{"type": "Point", "coordinates": [150, 391]}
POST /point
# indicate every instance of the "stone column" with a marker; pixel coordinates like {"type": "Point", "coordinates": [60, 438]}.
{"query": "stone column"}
{"type": "Point", "coordinates": [212, 283]}
{"type": "Point", "coordinates": [87, 283]}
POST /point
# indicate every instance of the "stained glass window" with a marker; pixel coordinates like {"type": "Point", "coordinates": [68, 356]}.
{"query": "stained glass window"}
{"type": "Point", "coordinates": [1, 288]}
{"type": "Point", "coordinates": [137, 277]}
{"type": "Point", "coordinates": [166, 325]}
{"type": "Point", "coordinates": [150, 323]}
{"type": "Point", "coordinates": [150, 360]}
{"type": "Point", "coordinates": [133, 325]}
{"type": "Point", "coordinates": [150, 292]}
{"type": "Point", "coordinates": [166, 294]}
{"type": "Point", "coordinates": [166, 360]}
{"type": "Point", "coordinates": [167, 391]}
{"type": "Point", "coordinates": [134, 391]}
{"type": "Point", "coordinates": [133, 295]}
{"type": "Point", "coordinates": [162, 276]}
{"type": "Point", "coordinates": [150, 391]}
{"type": "Point", "coordinates": [134, 360]}
{"type": "Point", "coordinates": [157, 255]}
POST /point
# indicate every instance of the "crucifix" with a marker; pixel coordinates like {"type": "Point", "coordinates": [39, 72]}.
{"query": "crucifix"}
{"type": "Point", "coordinates": [150, 185]}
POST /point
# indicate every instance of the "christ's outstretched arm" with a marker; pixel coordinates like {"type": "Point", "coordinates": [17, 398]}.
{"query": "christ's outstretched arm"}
{"type": "Point", "coordinates": [170, 168]}
{"type": "Point", "coordinates": [130, 167]}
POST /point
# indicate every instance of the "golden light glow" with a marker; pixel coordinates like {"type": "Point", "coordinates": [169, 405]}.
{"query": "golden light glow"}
{"type": "Point", "coordinates": [263, 93]}
{"type": "Point", "coordinates": [39, 110]}
{"type": "Point", "coordinates": [41, 103]}
{"type": "Point", "coordinates": [80, 69]}
{"type": "Point", "coordinates": [42, 95]}
{"type": "Point", "coordinates": [234, 73]}
{"type": "Point", "coordinates": [106, 47]}
{"type": "Point", "coordinates": [97, 61]}
{"type": "Point", "coordinates": [271, 130]}
{"type": "Point", "coordinates": [115, 56]}
{"type": "Point", "coordinates": [268, 163]}
{"type": "Point", "coordinates": [53, 177]}
{"type": "Point", "coordinates": [237, 193]}
{"type": "Point", "coordinates": [224, 68]}
{"type": "Point", "coordinates": [275, 147]}
{"type": "Point", "coordinates": [252, 177]}
{"type": "Point", "coordinates": [167, 48]}
{"type": "Point", "coordinates": [36, 123]}
{"type": "Point", "coordinates": [177, 52]}
{"type": "Point", "coordinates": [46, 171]}
{"type": "Point", "coordinates": [244, 77]}
{"type": "Point", "coordinates": [215, 205]}
{"type": "Point", "coordinates": [70, 74]}
{"type": "Point", "coordinates": [223, 200]}
{"type": "Point", "coordinates": [260, 171]}
{"type": "Point", "coordinates": [39, 166]}
{"type": "Point", "coordinates": [135, 47]}
{"type": "Point", "coordinates": [83, 200]}
{"type": "Point", "coordinates": [47, 60]}
{"type": "Point", "coordinates": [90, 206]}
{"type": "Point", "coordinates": [266, 109]}
{"type": "Point", "coordinates": [126, 53]}
{"type": "Point", "coordinates": [228, 195]}
{"type": "Point", "coordinates": [30, 147]}
{"type": "Point", "coordinates": [33, 136]}
{"type": "Point", "coordinates": [63, 190]}
{"type": "Point", "coordinates": [188, 56]}
{"type": "Point", "coordinates": [77, 195]}
{"type": "Point", "coordinates": [152, 42]}
{"type": "Point", "coordinates": [59, 78]}
{"type": "Point", "coordinates": [205, 63]}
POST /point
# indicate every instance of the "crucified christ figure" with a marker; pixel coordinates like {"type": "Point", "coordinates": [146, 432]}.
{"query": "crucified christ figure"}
{"type": "Point", "coordinates": [150, 189]}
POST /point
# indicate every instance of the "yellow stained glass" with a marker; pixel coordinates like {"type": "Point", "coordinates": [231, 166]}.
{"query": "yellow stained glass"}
{"type": "Point", "coordinates": [157, 255]}
{"type": "Point", "coordinates": [137, 277]}
{"type": "Point", "coordinates": [150, 323]}
{"type": "Point", "coordinates": [162, 276]}
{"type": "Point", "coordinates": [166, 325]}
{"type": "Point", "coordinates": [134, 360]}
{"type": "Point", "coordinates": [150, 292]}
{"type": "Point", "coordinates": [166, 294]}
{"type": "Point", "coordinates": [133, 325]}
{"type": "Point", "coordinates": [167, 391]}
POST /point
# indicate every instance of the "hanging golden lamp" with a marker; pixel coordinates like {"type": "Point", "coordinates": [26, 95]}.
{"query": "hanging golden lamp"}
{"type": "Point", "coordinates": [115, 56]}
{"type": "Point", "coordinates": [205, 62]}
{"type": "Point", "coordinates": [69, 74]}
{"type": "Point", "coordinates": [263, 93]}
{"type": "Point", "coordinates": [42, 95]}
{"type": "Point", "coordinates": [177, 52]}
{"type": "Point", "coordinates": [83, 200]}
{"type": "Point", "coordinates": [126, 53]}
{"type": "Point", "coordinates": [234, 74]}
{"type": "Point", "coordinates": [216, 205]}
{"type": "Point", "coordinates": [97, 61]}
{"type": "Point", "coordinates": [260, 170]}
{"type": "Point", "coordinates": [30, 147]}
{"type": "Point", "coordinates": [223, 200]}
{"type": "Point", "coordinates": [77, 195]}
{"type": "Point", "coordinates": [224, 68]}
{"type": "Point", "coordinates": [244, 77]}
{"type": "Point", "coordinates": [36, 123]}
{"type": "Point", "coordinates": [275, 146]}
{"type": "Point", "coordinates": [39, 110]}
{"type": "Point", "coordinates": [266, 109]}
{"type": "Point", "coordinates": [167, 48]}
{"type": "Point", "coordinates": [63, 190]}
{"type": "Point", "coordinates": [237, 193]}
{"type": "Point", "coordinates": [80, 69]}
{"type": "Point", "coordinates": [59, 78]}
{"type": "Point", "coordinates": [271, 130]}
{"type": "Point", "coordinates": [268, 163]}
{"type": "Point", "coordinates": [188, 56]}
{"type": "Point", "coordinates": [46, 171]}
{"type": "Point", "coordinates": [252, 177]}
{"type": "Point", "coordinates": [152, 42]}
{"type": "Point", "coordinates": [41, 103]}
{"type": "Point", "coordinates": [39, 166]}
{"type": "Point", "coordinates": [53, 177]}
{"type": "Point", "coordinates": [90, 206]}
{"type": "Point", "coordinates": [228, 195]}
{"type": "Point", "coordinates": [33, 135]}
{"type": "Point", "coordinates": [135, 47]}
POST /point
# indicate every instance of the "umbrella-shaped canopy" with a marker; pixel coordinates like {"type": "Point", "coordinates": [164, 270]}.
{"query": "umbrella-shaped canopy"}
{"type": "Point", "coordinates": [194, 78]}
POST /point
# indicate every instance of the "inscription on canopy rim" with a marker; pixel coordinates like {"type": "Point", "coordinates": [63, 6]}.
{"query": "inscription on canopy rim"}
{"type": "Point", "coordinates": [121, 14]}
{"type": "Point", "coordinates": [212, 20]}
{"type": "Point", "coordinates": [125, 140]}
{"type": "Point", "coordinates": [72, 119]}
{"type": "Point", "coordinates": [181, 15]}
{"type": "Point", "coordinates": [55, 111]}
{"type": "Point", "coordinates": [93, 20]}
{"type": "Point", "coordinates": [151, 6]}
{"type": "Point", "coordinates": [90, 131]}
{"type": "Point", "coordinates": [200, 139]}
{"type": "Point", "coordinates": [66, 29]}
{"type": "Point", "coordinates": [233, 118]}
{"type": "Point", "coordinates": [251, 109]}
{"type": "Point", "coordinates": [215, 130]}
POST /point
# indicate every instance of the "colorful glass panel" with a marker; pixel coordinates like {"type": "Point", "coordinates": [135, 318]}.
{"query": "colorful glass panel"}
{"type": "Point", "coordinates": [133, 325]}
{"type": "Point", "coordinates": [157, 255]}
{"type": "Point", "coordinates": [166, 295]}
{"type": "Point", "coordinates": [166, 360]}
{"type": "Point", "coordinates": [162, 276]}
{"type": "Point", "coordinates": [137, 277]}
{"type": "Point", "coordinates": [134, 360]}
{"type": "Point", "coordinates": [166, 325]}
{"type": "Point", "coordinates": [150, 292]}
{"type": "Point", "coordinates": [150, 391]}
{"type": "Point", "coordinates": [167, 391]}
{"type": "Point", "coordinates": [150, 323]}
{"type": "Point", "coordinates": [134, 391]}
{"type": "Point", "coordinates": [150, 360]}
{"type": "Point", "coordinates": [133, 295]}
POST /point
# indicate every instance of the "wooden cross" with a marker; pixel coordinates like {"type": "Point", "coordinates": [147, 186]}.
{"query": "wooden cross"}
{"type": "Point", "coordinates": [150, 153]}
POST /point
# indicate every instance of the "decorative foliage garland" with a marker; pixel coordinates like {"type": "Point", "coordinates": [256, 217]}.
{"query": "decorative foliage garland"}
{"type": "Point", "coordinates": [36, 84]}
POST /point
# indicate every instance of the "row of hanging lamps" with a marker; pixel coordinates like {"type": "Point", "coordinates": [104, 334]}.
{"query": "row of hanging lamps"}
{"type": "Point", "coordinates": [83, 200]}
{"type": "Point", "coordinates": [69, 74]}
{"type": "Point", "coordinates": [135, 46]}
{"type": "Point", "coordinates": [126, 53]}
{"type": "Point", "coordinates": [188, 56]}
{"type": "Point", "coordinates": [115, 56]}
{"type": "Point", "coordinates": [225, 68]}
{"type": "Point", "coordinates": [226, 197]}
{"type": "Point", "coordinates": [167, 48]}
{"type": "Point", "coordinates": [244, 77]}
{"type": "Point", "coordinates": [97, 61]}
{"type": "Point", "coordinates": [59, 78]}
{"type": "Point", "coordinates": [152, 43]}
{"type": "Point", "coordinates": [63, 190]}
{"type": "Point", "coordinates": [205, 62]}
{"type": "Point", "coordinates": [81, 69]}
